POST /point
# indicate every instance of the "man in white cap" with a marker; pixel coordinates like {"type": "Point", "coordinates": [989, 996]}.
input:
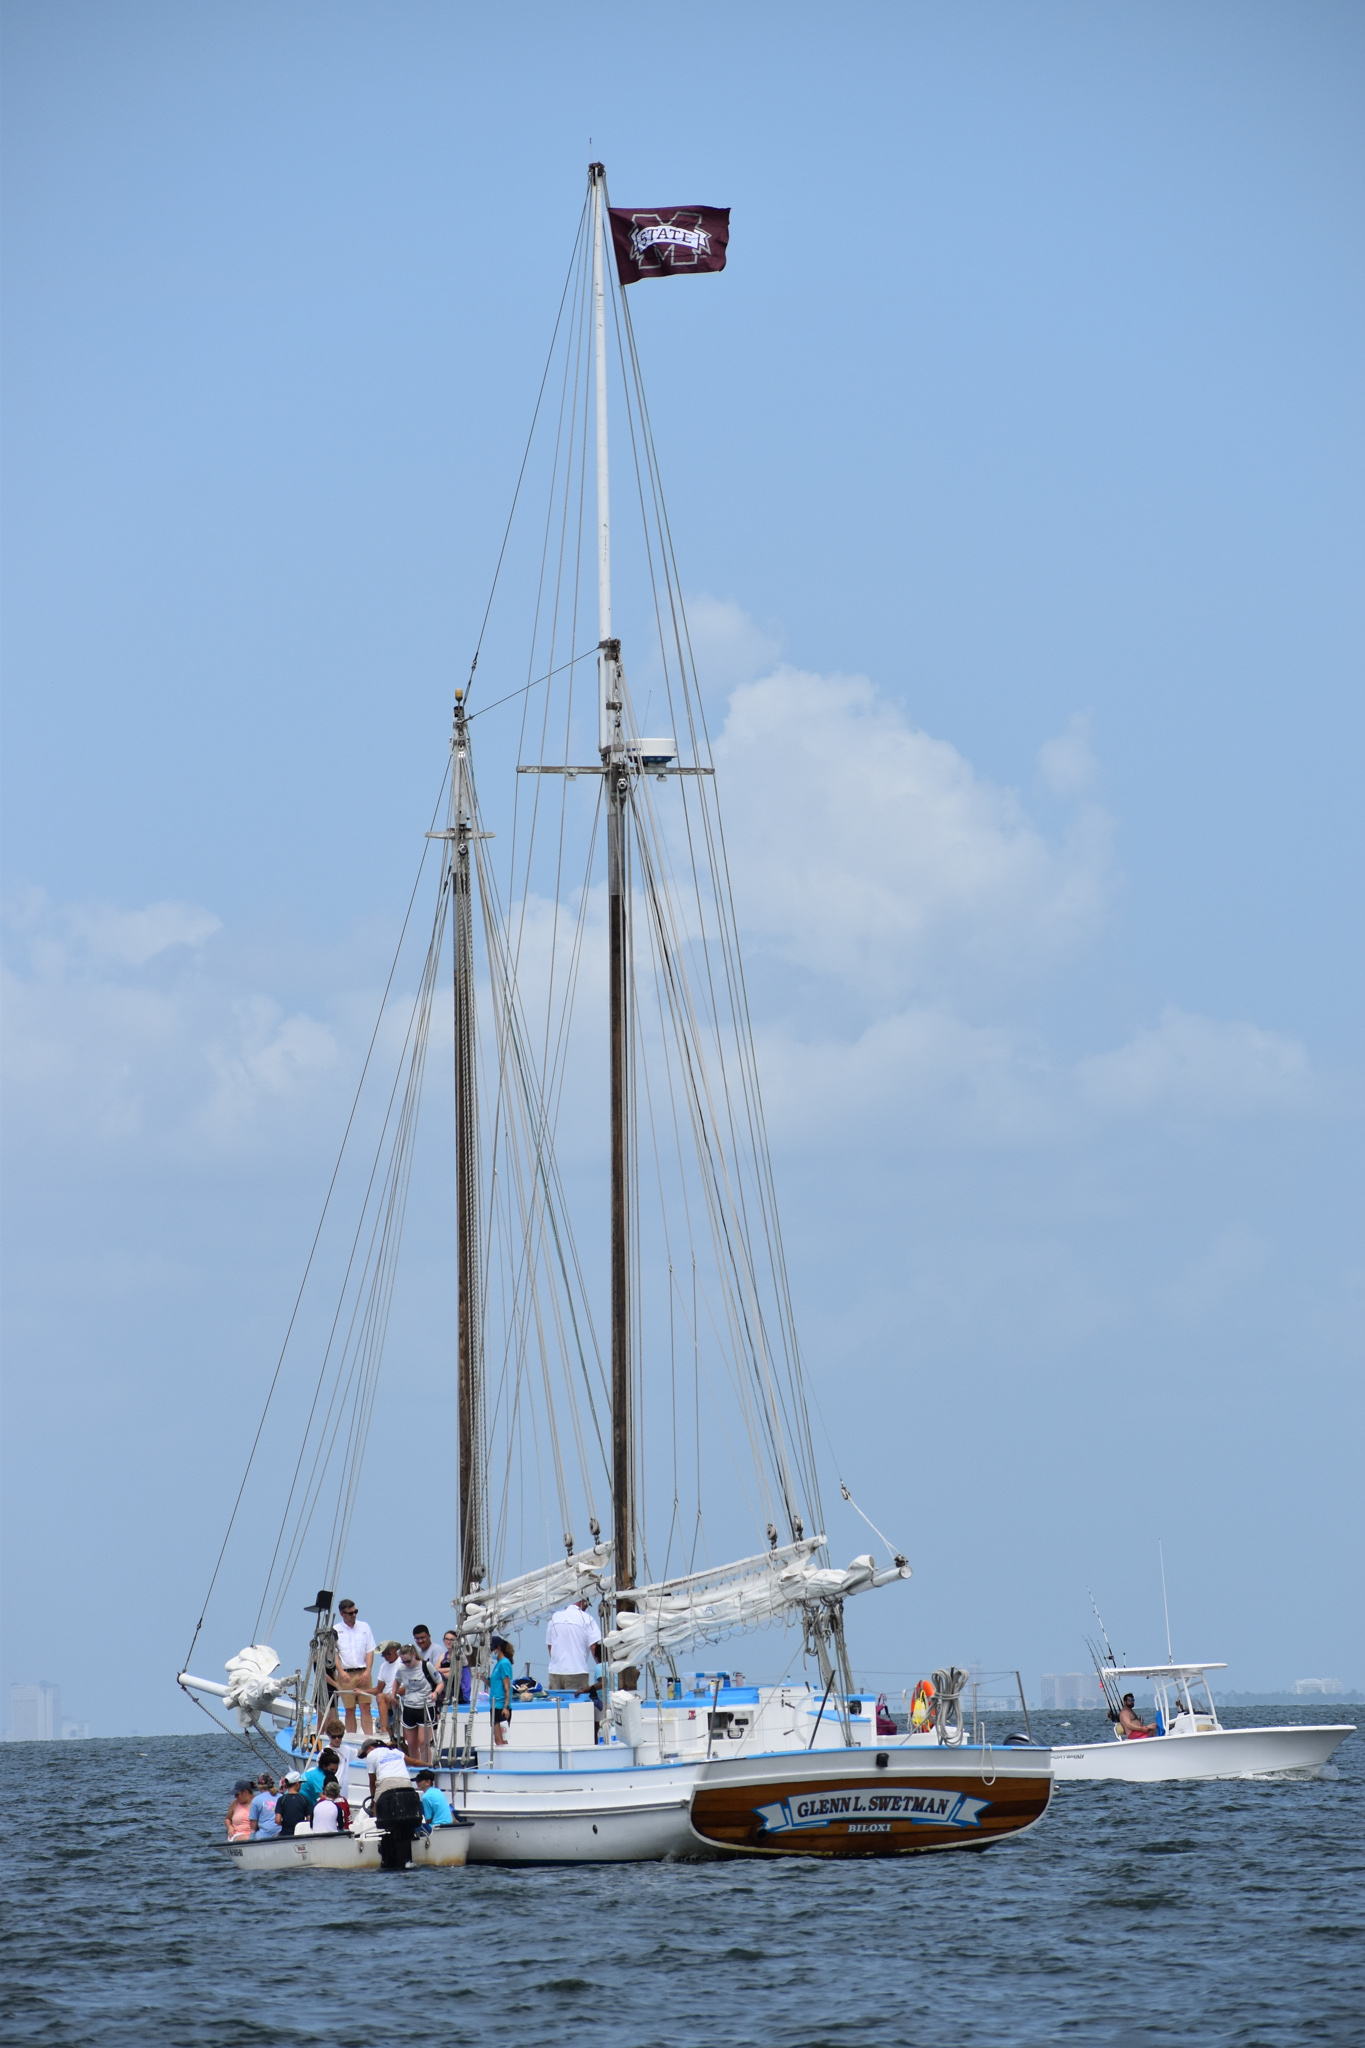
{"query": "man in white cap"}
{"type": "Point", "coordinates": [572, 1643]}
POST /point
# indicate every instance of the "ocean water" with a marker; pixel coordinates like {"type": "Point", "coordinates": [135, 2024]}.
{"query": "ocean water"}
{"type": "Point", "coordinates": [1217, 1913]}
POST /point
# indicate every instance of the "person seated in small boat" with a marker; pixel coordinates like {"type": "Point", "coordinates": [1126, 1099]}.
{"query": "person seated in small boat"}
{"type": "Point", "coordinates": [332, 1814]}
{"type": "Point", "coordinates": [238, 1816]}
{"type": "Point", "coordinates": [1131, 1723]}
{"type": "Point", "coordinates": [264, 1826]}
{"type": "Point", "coordinates": [435, 1806]}
{"type": "Point", "coordinates": [315, 1777]}
{"type": "Point", "coordinates": [291, 1808]}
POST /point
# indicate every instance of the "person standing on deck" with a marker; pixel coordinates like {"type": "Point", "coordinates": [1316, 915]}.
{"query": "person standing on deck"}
{"type": "Point", "coordinates": [572, 1643]}
{"type": "Point", "coordinates": [500, 1690]}
{"type": "Point", "coordinates": [414, 1691]}
{"type": "Point", "coordinates": [355, 1656]}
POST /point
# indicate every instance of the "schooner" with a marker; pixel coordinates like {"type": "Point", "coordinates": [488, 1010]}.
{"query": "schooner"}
{"type": "Point", "coordinates": [664, 1761]}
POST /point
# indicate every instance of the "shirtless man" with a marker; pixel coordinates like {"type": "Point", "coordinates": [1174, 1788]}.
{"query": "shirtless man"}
{"type": "Point", "coordinates": [1130, 1721]}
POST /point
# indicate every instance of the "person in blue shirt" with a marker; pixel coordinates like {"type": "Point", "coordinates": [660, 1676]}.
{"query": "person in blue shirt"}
{"type": "Point", "coordinates": [263, 1822]}
{"type": "Point", "coordinates": [313, 1779]}
{"type": "Point", "coordinates": [500, 1690]}
{"type": "Point", "coordinates": [435, 1806]}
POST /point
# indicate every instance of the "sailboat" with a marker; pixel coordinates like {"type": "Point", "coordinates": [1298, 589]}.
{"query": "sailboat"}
{"type": "Point", "coordinates": [656, 1761]}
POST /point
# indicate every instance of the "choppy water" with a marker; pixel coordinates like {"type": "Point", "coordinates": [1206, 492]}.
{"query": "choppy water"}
{"type": "Point", "coordinates": [1218, 1913]}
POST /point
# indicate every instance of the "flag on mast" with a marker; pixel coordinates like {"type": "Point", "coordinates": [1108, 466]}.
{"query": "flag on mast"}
{"type": "Point", "coordinates": [668, 241]}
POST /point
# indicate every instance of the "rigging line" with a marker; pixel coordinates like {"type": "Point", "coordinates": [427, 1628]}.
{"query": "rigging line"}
{"type": "Point", "coordinates": [713, 1155]}
{"type": "Point", "coordinates": [331, 1186]}
{"type": "Point", "coordinates": [526, 452]}
{"type": "Point", "coordinates": [350, 1263]}
{"type": "Point", "coordinates": [574, 359]}
{"type": "Point", "coordinates": [344, 1377]}
{"type": "Point", "coordinates": [360, 1358]}
{"type": "Point", "coordinates": [656, 489]}
{"type": "Point", "coordinates": [573, 355]}
{"type": "Point", "coordinates": [800, 1389]}
{"type": "Point", "coordinates": [587, 654]}
{"type": "Point", "coordinates": [540, 1117]}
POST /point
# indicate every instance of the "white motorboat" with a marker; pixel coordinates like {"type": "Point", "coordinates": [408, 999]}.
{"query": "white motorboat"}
{"type": "Point", "coordinates": [445, 1848]}
{"type": "Point", "coordinates": [1189, 1740]}
{"type": "Point", "coordinates": [552, 1426]}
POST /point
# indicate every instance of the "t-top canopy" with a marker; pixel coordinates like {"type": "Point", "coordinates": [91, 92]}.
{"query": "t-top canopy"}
{"type": "Point", "coordinates": [1160, 1670]}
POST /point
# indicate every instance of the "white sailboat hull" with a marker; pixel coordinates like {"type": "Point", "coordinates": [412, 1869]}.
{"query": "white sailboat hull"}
{"type": "Point", "coordinates": [624, 1816]}
{"type": "Point", "coordinates": [1212, 1753]}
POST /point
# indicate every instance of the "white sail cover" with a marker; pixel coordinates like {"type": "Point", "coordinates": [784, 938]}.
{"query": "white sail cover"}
{"type": "Point", "coordinates": [251, 1685]}
{"type": "Point", "coordinates": [708, 1606]}
{"type": "Point", "coordinates": [514, 1601]}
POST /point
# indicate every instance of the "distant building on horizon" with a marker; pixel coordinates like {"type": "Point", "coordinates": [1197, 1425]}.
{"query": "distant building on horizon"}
{"type": "Point", "coordinates": [35, 1712]}
{"type": "Point", "coordinates": [1071, 1689]}
{"type": "Point", "coordinates": [1318, 1688]}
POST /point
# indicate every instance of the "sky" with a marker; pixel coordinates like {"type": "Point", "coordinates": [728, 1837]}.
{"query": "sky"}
{"type": "Point", "coordinates": [1014, 467]}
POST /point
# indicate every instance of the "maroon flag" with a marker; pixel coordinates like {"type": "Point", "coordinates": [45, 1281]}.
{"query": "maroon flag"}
{"type": "Point", "coordinates": [668, 241]}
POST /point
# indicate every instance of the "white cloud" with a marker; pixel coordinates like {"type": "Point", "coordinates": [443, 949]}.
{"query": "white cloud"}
{"type": "Point", "coordinates": [117, 1029]}
{"type": "Point", "coordinates": [1226, 1267]}
{"type": "Point", "coordinates": [865, 849]}
{"type": "Point", "coordinates": [1200, 1066]}
{"type": "Point", "coordinates": [927, 1075]}
{"type": "Point", "coordinates": [730, 648]}
{"type": "Point", "coordinates": [1067, 764]}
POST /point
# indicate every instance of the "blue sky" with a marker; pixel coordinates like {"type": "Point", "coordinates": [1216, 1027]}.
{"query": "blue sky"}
{"type": "Point", "coordinates": [1014, 467]}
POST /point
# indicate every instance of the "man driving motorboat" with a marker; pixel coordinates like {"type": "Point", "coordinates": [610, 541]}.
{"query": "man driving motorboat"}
{"type": "Point", "coordinates": [1131, 1722]}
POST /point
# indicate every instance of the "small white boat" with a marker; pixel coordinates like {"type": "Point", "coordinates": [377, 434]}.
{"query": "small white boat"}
{"type": "Point", "coordinates": [445, 1848]}
{"type": "Point", "coordinates": [1191, 1742]}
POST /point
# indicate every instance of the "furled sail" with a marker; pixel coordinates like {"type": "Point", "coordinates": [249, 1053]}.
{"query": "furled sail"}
{"type": "Point", "coordinates": [707, 1606]}
{"type": "Point", "coordinates": [515, 1601]}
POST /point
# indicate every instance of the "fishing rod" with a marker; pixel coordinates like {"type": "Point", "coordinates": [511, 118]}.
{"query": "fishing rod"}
{"type": "Point", "coordinates": [1107, 1685]}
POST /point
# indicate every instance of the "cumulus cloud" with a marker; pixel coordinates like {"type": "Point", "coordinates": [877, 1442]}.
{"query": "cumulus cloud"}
{"type": "Point", "coordinates": [1198, 1065]}
{"type": "Point", "coordinates": [865, 849]}
{"type": "Point", "coordinates": [117, 1028]}
{"type": "Point", "coordinates": [1067, 763]}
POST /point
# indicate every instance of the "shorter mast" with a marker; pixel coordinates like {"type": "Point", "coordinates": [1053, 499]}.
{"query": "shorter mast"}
{"type": "Point", "coordinates": [472, 1409]}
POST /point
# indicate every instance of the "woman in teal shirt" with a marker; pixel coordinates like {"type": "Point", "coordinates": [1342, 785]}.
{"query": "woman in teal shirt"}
{"type": "Point", "coordinates": [500, 1690]}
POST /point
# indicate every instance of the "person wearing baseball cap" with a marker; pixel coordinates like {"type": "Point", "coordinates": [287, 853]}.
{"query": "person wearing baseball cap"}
{"type": "Point", "coordinates": [291, 1808]}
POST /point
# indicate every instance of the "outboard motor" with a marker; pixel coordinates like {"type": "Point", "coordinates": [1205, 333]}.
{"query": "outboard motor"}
{"type": "Point", "coordinates": [398, 1810]}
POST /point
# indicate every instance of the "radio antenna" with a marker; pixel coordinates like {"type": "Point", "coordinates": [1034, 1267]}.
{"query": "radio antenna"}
{"type": "Point", "coordinates": [1170, 1655]}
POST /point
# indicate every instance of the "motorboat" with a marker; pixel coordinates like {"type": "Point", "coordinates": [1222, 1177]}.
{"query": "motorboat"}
{"type": "Point", "coordinates": [445, 1848]}
{"type": "Point", "coordinates": [1189, 1741]}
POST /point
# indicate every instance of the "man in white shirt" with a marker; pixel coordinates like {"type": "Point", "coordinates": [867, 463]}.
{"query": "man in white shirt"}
{"type": "Point", "coordinates": [572, 1643]}
{"type": "Point", "coordinates": [355, 1657]}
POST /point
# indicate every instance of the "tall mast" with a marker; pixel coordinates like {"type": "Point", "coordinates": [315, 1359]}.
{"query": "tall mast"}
{"type": "Point", "coordinates": [616, 774]}
{"type": "Point", "coordinates": [473, 1497]}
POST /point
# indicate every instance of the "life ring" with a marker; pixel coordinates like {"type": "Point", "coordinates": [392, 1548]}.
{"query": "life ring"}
{"type": "Point", "coordinates": [923, 1707]}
